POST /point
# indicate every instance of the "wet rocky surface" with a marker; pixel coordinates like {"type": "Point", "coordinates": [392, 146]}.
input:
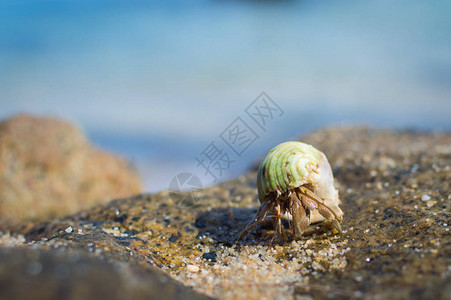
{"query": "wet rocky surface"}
{"type": "Point", "coordinates": [395, 189]}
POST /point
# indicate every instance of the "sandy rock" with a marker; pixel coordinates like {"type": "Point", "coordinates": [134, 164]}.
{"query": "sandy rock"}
{"type": "Point", "coordinates": [49, 169]}
{"type": "Point", "coordinates": [393, 246]}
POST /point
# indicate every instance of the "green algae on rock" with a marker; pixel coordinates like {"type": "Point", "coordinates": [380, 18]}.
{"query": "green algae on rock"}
{"type": "Point", "coordinates": [395, 189]}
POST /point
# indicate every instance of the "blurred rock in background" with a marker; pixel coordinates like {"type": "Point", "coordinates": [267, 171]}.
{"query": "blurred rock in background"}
{"type": "Point", "coordinates": [49, 169]}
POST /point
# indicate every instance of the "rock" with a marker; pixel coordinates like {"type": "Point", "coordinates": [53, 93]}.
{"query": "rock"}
{"type": "Point", "coordinates": [394, 246]}
{"type": "Point", "coordinates": [211, 256]}
{"type": "Point", "coordinates": [56, 274]}
{"type": "Point", "coordinates": [48, 169]}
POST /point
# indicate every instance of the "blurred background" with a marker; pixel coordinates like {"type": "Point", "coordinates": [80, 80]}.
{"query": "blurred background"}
{"type": "Point", "coordinates": [158, 81]}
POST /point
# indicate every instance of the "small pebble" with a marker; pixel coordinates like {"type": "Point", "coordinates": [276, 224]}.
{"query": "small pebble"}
{"type": "Point", "coordinates": [210, 256]}
{"type": "Point", "coordinates": [192, 268]}
{"type": "Point", "coordinates": [430, 203]}
{"type": "Point", "coordinates": [69, 229]}
{"type": "Point", "coordinates": [173, 238]}
{"type": "Point", "coordinates": [425, 197]}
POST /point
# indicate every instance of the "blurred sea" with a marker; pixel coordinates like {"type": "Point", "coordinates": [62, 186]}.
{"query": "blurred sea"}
{"type": "Point", "coordinates": [158, 81]}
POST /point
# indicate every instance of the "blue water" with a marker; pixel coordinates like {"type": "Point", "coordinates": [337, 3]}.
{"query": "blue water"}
{"type": "Point", "coordinates": [157, 81]}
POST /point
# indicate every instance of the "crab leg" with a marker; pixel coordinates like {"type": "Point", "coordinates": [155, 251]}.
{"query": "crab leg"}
{"type": "Point", "coordinates": [325, 211]}
{"type": "Point", "coordinates": [329, 215]}
{"type": "Point", "coordinates": [278, 223]}
{"type": "Point", "coordinates": [259, 218]}
{"type": "Point", "coordinates": [301, 217]}
{"type": "Point", "coordinates": [306, 201]}
{"type": "Point", "coordinates": [318, 200]}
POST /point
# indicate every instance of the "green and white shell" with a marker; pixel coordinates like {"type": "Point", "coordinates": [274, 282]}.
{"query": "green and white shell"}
{"type": "Point", "coordinates": [293, 164]}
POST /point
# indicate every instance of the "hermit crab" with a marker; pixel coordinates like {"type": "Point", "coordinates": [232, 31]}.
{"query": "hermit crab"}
{"type": "Point", "coordinates": [295, 180]}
